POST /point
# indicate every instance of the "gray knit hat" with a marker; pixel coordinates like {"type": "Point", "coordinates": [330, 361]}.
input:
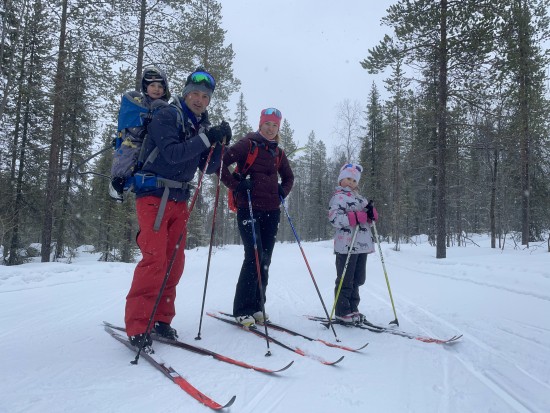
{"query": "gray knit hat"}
{"type": "Point", "coordinates": [200, 80]}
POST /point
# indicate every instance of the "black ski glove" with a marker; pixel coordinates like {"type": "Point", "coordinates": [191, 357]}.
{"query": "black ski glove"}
{"type": "Point", "coordinates": [118, 184]}
{"type": "Point", "coordinates": [215, 135]}
{"type": "Point", "coordinates": [281, 192]}
{"type": "Point", "coordinates": [244, 185]}
{"type": "Point", "coordinates": [226, 129]}
{"type": "Point", "coordinates": [370, 212]}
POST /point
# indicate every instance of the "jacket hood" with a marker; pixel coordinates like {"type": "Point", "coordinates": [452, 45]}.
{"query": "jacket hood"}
{"type": "Point", "coordinates": [158, 73]}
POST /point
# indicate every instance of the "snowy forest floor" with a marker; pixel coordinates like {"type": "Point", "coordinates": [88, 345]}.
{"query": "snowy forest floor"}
{"type": "Point", "coordinates": [57, 358]}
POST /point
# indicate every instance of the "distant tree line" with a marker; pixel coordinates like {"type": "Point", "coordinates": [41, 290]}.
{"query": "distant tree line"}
{"type": "Point", "coordinates": [459, 146]}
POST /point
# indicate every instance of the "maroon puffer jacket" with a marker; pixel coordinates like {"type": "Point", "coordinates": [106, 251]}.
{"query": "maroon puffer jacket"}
{"type": "Point", "coordinates": [263, 173]}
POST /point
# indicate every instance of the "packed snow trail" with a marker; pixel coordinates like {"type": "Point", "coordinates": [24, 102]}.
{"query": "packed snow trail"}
{"type": "Point", "coordinates": [57, 358]}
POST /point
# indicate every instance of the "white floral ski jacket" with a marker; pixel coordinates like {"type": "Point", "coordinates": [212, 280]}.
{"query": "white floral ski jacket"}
{"type": "Point", "coordinates": [343, 201]}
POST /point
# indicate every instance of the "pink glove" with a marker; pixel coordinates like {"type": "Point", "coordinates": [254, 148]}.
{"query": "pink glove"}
{"type": "Point", "coordinates": [362, 217]}
{"type": "Point", "coordinates": [352, 218]}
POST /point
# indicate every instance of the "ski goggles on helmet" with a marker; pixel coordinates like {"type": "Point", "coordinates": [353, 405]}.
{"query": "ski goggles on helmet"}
{"type": "Point", "coordinates": [272, 111]}
{"type": "Point", "coordinates": [203, 78]}
{"type": "Point", "coordinates": [353, 166]}
{"type": "Point", "coordinates": [152, 74]}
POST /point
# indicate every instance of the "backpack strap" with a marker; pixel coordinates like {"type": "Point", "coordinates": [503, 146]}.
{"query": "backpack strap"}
{"type": "Point", "coordinates": [167, 184]}
{"type": "Point", "coordinates": [148, 180]}
{"type": "Point", "coordinates": [279, 155]}
{"type": "Point", "coordinates": [176, 104]}
{"type": "Point", "coordinates": [251, 156]}
{"type": "Point", "coordinates": [157, 104]}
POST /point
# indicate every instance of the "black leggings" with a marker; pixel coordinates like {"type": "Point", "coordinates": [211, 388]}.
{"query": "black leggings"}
{"type": "Point", "coordinates": [348, 300]}
{"type": "Point", "coordinates": [247, 294]}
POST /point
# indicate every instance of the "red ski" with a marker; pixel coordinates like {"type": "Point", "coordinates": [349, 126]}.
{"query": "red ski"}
{"type": "Point", "coordinates": [273, 340]}
{"type": "Point", "coordinates": [205, 352]}
{"type": "Point", "coordinates": [390, 330]}
{"type": "Point", "coordinates": [297, 334]}
{"type": "Point", "coordinates": [172, 374]}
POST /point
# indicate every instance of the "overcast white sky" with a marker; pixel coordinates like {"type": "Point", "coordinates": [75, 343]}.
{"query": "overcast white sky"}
{"type": "Point", "coordinates": [302, 56]}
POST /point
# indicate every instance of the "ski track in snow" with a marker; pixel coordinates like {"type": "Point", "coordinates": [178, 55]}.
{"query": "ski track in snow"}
{"type": "Point", "coordinates": [59, 359]}
{"type": "Point", "coordinates": [492, 378]}
{"type": "Point", "coordinates": [466, 269]}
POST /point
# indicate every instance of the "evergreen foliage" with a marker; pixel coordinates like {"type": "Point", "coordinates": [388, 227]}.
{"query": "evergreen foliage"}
{"type": "Point", "coordinates": [460, 145]}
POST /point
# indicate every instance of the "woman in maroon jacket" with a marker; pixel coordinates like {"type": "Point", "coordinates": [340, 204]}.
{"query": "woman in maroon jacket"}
{"type": "Point", "coordinates": [262, 180]}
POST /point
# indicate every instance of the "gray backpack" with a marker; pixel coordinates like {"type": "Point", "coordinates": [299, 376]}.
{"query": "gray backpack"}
{"type": "Point", "coordinates": [130, 147]}
{"type": "Point", "coordinates": [129, 157]}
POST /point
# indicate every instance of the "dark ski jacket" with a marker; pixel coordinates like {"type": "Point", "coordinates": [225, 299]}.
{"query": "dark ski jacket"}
{"type": "Point", "coordinates": [263, 173]}
{"type": "Point", "coordinates": [182, 148]}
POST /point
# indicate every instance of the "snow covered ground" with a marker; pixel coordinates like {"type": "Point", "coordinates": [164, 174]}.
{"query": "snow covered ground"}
{"type": "Point", "coordinates": [56, 357]}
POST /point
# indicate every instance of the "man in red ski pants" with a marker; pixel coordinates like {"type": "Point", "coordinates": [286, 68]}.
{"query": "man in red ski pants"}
{"type": "Point", "coordinates": [178, 144]}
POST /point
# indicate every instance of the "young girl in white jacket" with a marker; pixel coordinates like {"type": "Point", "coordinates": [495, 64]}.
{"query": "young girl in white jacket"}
{"type": "Point", "coordinates": [348, 212]}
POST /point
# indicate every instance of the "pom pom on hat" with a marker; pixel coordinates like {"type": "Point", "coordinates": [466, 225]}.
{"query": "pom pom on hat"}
{"type": "Point", "coordinates": [271, 115]}
{"type": "Point", "coordinates": [350, 170]}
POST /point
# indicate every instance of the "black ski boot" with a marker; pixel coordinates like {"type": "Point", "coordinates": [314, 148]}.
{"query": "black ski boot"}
{"type": "Point", "coordinates": [164, 330]}
{"type": "Point", "coordinates": [143, 341]}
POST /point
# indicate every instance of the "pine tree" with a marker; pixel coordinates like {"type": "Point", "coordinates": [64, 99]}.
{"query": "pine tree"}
{"type": "Point", "coordinates": [287, 144]}
{"type": "Point", "coordinates": [523, 25]}
{"type": "Point", "coordinates": [28, 110]}
{"type": "Point", "coordinates": [453, 47]}
{"type": "Point", "coordinates": [201, 43]}
{"type": "Point", "coordinates": [82, 26]}
{"type": "Point", "coordinates": [78, 138]}
{"type": "Point", "coordinates": [369, 144]}
{"type": "Point", "coordinates": [241, 125]}
{"type": "Point", "coordinates": [286, 134]}
{"type": "Point", "coordinates": [398, 113]}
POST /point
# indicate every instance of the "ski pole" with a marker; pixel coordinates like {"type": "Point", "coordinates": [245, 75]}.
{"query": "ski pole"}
{"type": "Point", "coordinates": [260, 286]}
{"type": "Point", "coordinates": [77, 167]}
{"type": "Point", "coordinates": [176, 249]}
{"type": "Point", "coordinates": [212, 232]}
{"type": "Point", "coordinates": [199, 183]}
{"type": "Point", "coordinates": [355, 231]}
{"type": "Point", "coordinates": [308, 267]}
{"type": "Point", "coordinates": [396, 321]}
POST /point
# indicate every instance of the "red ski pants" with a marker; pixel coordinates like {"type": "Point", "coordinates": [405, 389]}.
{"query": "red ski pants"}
{"type": "Point", "coordinates": [157, 249]}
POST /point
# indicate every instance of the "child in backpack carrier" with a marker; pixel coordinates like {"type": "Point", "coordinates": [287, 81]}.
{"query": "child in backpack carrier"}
{"type": "Point", "coordinates": [351, 215]}
{"type": "Point", "coordinates": [132, 127]}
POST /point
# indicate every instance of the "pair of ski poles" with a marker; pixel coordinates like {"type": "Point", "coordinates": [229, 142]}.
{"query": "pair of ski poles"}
{"type": "Point", "coordinates": [395, 321]}
{"type": "Point", "coordinates": [212, 233]}
{"type": "Point", "coordinates": [257, 259]}
{"type": "Point", "coordinates": [355, 231]}
{"type": "Point", "coordinates": [343, 272]}
{"type": "Point", "coordinates": [178, 243]}
{"type": "Point", "coordinates": [256, 254]}
{"type": "Point", "coordinates": [258, 271]}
